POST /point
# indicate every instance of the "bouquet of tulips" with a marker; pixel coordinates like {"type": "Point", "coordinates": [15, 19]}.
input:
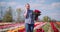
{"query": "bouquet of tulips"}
{"type": "Point", "coordinates": [36, 13]}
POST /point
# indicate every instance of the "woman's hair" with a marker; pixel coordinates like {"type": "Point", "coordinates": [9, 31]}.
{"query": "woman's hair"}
{"type": "Point", "coordinates": [27, 4]}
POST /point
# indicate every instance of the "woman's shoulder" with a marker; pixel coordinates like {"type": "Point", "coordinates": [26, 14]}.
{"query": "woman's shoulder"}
{"type": "Point", "coordinates": [31, 10]}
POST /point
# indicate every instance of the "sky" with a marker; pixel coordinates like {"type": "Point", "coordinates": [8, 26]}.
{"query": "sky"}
{"type": "Point", "coordinates": [49, 8]}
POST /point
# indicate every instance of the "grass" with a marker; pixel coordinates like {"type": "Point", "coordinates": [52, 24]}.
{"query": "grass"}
{"type": "Point", "coordinates": [46, 27]}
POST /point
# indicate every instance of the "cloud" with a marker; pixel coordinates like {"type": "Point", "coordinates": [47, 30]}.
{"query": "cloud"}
{"type": "Point", "coordinates": [37, 1]}
{"type": "Point", "coordinates": [2, 3]}
{"type": "Point", "coordinates": [20, 6]}
{"type": "Point", "coordinates": [35, 5]}
{"type": "Point", "coordinates": [11, 3]}
{"type": "Point", "coordinates": [56, 5]}
{"type": "Point", "coordinates": [51, 6]}
{"type": "Point", "coordinates": [8, 3]}
{"type": "Point", "coordinates": [40, 1]}
{"type": "Point", "coordinates": [54, 14]}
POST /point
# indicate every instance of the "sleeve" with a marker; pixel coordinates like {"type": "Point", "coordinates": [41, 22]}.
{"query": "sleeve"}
{"type": "Point", "coordinates": [33, 16]}
{"type": "Point", "coordinates": [25, 12]}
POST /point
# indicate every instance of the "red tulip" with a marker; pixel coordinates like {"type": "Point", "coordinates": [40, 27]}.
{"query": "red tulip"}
{"type": "Point", "coordinates": [37, 11]}
{"type": "Point", "coordinates": [40, 30]}
{"type": "Point", "coordinates": [53, 27]}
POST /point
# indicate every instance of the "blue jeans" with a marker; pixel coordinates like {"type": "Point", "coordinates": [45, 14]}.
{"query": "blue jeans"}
{"type": "Point", "coordinates": [29, 27]}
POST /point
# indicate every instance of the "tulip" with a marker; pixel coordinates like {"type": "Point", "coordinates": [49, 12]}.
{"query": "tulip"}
{"type": "Point", "coordinates": [36, 13]}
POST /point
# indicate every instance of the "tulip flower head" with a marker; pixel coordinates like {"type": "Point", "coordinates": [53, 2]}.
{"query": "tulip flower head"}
{"type": "Point", "coordinates": [37, 13]}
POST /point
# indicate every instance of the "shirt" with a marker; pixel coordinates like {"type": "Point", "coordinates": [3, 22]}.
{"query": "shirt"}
{"type": "Point", "coordinates": [30, 17]}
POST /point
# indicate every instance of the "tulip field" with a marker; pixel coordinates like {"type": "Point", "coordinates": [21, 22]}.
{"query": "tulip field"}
{"type": "Point", "coordinates": [38, 27]}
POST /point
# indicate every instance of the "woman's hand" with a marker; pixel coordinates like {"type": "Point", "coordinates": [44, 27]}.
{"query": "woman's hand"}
{"type": "Point", "coordinates": [25, 14]}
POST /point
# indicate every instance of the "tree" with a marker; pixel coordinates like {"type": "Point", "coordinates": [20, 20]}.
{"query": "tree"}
{"type": "Point", "coordinates": [18, 14]}
{"type": "Point", "coordinates": [1, 12]}
{"type": "Point", "coordinates": [8, 16]}
{"type": "Point", "coordinates": [46, 18]}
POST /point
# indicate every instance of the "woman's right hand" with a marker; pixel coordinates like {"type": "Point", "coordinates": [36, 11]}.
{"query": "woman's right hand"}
{"type": "Point", "coordinates": [25, 14]}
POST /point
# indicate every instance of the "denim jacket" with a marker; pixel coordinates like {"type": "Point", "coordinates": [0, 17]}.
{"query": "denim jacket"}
{"type": "Point", "coordinates": [30, 17]}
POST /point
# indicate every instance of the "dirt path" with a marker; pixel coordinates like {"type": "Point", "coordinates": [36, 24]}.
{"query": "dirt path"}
{"type": "Point", "coordinates": [49, 30]}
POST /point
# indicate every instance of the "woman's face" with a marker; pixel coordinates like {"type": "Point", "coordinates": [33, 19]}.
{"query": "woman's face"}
{"type": "Point", "coordinates": [27, 6]}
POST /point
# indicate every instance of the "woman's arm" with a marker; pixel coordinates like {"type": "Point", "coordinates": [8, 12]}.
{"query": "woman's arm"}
{"type": "Point", "coordinates": [25, 14]}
